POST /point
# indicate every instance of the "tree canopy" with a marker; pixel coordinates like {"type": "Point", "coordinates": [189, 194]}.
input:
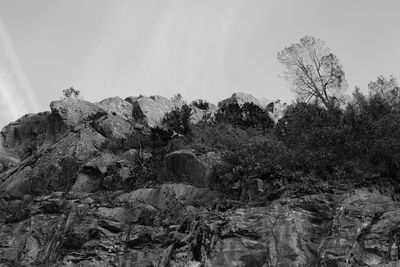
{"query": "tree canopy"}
{"type": "Point", "coordinates": [387, 89]}
{"type": "Point", "coordinates": [313, 72]}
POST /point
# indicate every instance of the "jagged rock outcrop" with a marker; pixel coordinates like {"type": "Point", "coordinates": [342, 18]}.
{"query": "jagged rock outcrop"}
{"type": "Point", "coordinates": [150, 109]}
{"type": "Point", "coordinates": [114, 127]}
{"type": "Point", "coordinates": [41, 172]}
{"type": "Point", "coordinates": [24, 136]}
{"type": "Point", "coordinates": [117, 106]}
{"type": "Point", "coordinates": [74, 111]}
{"type": "Point", "coordinates": [356, 229]}
{"type": "Point", "coordinates": [65, 201]}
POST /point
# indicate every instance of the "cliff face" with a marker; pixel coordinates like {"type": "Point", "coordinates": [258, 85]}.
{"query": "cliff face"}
{"type": "Point", "coordinates": [72, 193]}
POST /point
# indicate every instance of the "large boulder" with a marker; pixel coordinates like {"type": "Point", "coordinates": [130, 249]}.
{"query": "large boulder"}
{"type": "Point", "coordinates": [185, 167]}
{"type": "Point", "coordinates": [102, 163]}
{"type": "Point", "coordinates": [74, 111]}
{"type": "Point", "coordinates": [117, 106]}
{"type": "Point", "coordinates": [240, 99]}
{"type": "Point", "coordinates": [150, 109]}
{"type": "Point", "coordinates": [103, 171]}
{"type": "Point", "coordinates": [114, 127]}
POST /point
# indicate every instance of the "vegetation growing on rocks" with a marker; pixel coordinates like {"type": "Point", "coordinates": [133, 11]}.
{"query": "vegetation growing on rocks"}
{"type": "Point", "coordinates": [145, 182]}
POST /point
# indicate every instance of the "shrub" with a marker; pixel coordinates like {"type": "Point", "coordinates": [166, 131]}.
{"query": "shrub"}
{"type": "Point", "coordinates": [247, 116]}
{"type": "Point", "coordinates": [374, 137]}
{"type": "Point", "coordinates": [231, 114]}
{"type": "Point", "coordinates": [316, 136]}
{"type": "Point", "coordinates": [71, 92]}
{"type": "Point", "coordinates": [255, 116]}
{"type": "Point", "coordinates": [201, 104]}
{"type": "Point", "coordinates": [178, 120]}
{"type": "Point", "coordinates": [218, 137]}
{"type": "Point", "coordinates": [160, 137]}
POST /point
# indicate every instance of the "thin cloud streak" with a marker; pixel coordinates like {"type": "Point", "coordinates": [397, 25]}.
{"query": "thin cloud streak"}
{"type": "Point", "coordinates": [16, 96]}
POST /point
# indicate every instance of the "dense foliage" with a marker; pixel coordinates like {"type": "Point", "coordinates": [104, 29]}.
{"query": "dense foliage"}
{"type": "Point", "coordinates": [201, 104]}
{"type": "Point", "coordinates": [178, 120]}
{"type": "Point", "coordinates": [249, 115]}
{"type": "Point", "coordinates": [310, 149]}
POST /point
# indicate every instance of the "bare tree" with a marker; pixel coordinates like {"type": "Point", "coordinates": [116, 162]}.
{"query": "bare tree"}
{"type": "Point", "coordinates": [313, 72]}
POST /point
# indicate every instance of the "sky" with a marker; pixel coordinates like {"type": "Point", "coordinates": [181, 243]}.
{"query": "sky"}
{"type": "Point", "coordinates": [205, 49]}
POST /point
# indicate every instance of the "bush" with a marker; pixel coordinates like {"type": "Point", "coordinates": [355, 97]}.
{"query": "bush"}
{"type": "Point", "coordinates": [160, 137]}
{"type": "Point", "coordinates": [259, 156]}
{"type": "Point", "coordinates": [375, 133]}
{"type": "Point", "coordinates": [178, 120]}
{"type": "Point", "coordinates": [71, 92]}
{"type": "Point", "coordinates": [247, 116]}
{"type": "Point", "coordinates": [218, 137]}
{"type": "Point", "coordinates": [201, 104]}
{"type": "Point", "coordinates": [317, 137]}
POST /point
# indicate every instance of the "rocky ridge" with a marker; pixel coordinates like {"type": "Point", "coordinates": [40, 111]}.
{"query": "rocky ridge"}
{"type": "Point", "coordinates": [63, 201]}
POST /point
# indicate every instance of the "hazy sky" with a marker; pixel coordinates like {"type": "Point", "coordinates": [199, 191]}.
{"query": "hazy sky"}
{"type": "Point", "coordinates": [202, 49]}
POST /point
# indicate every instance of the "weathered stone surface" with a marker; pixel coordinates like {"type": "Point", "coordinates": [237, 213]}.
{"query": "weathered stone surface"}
{"type": "Point", "coordinates": [114, 127]}
{"type": "Point", "coordinates": [117, 106]}
{"type": "Point", "coordinates": [87, 144]}
{"type": "Point", "coordinates": [319, 230]}
{"type": "Point", "coordinates": [150, 109]}
{"type": "Point", "coordinates": [73, 111]}
{"type": "Point", "coordinates": [20, 139]}
{"type": "Point", "coordinates": [359, 229]}
{"type": "Point", "coordinates": [7, 162]}
{"type": "Point", "coordinates": [364, 231]}
{"type": "Point", "coordinates": [185, 166]}
{"type": "Point", "coordinates": [167, 194]}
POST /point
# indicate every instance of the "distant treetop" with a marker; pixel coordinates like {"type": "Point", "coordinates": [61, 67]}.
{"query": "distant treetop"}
{"type": "Point", "coordinates": [314, 73]}
{"type": "Point", "coordinates": [71, 92]}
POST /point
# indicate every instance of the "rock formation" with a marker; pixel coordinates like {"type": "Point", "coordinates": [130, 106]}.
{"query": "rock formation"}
{"type": "Point", "coordinates": [72, 193]}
